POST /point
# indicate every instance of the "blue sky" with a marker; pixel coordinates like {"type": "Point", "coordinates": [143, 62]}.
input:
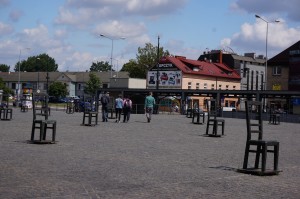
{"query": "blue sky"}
{"type": "Point", "coordinates": [68, 30]}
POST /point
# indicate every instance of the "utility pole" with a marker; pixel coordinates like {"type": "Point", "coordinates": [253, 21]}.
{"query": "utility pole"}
{"type": "Point", "coordinates": [157, 69]}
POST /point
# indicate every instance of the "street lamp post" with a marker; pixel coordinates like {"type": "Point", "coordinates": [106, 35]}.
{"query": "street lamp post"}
{"type": "Point", "coordinates": [157, 71]}
{"type": "Point", "coordinates": [112, 49]}
{"type": "Point", "coordinates": [47, 78]}
{"type": "Point", "coordinates": [266, 67]}
{"type": "Point", "coordinates": [19, 78]}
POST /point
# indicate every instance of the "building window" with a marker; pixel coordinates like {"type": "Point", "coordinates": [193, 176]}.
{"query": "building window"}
{"type": "Point", "coordinates": [220, 86]}
{"type": "Point", "coordinates": [227, 86]}
{"type": "Point", "coordinates": [205, 85]}
{"type": "Point", "coordinates": [189, 85]}
{"type": "Point", "coordinates": [45, 86]}
{"type": "Point", "coordinates": [79, 86]}
{"type": "Point", "coordinates": [212, 86]}
{"type": "Point", "coordinates": [276, 70]}
{"type": "Point", "coordinates": [13, 85]}
{"type": "Point", "coordinates": [197, 86]}
{"type": "Point", "coordinates": [233, 87]}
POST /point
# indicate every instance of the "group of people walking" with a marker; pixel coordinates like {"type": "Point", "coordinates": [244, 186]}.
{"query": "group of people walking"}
{"type": "Point", "coordinates": [125, 105]}
{"type": "Point", "coordinates": [121, 105]}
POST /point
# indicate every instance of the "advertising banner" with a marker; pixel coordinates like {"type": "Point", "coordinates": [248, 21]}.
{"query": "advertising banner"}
{"type": "Point", "coordinates": [167, 79]}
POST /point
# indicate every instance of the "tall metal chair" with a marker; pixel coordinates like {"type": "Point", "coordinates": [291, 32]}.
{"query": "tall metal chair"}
{"type": "Point", "coordinates": [212, 120]}
{"type": "Point", "coordinates": [90, 113]}
{"type": "Point", "coordinates": [257, 145]}
{"type": "Point", "coordinates": [41, 122]}
{"type": "Point", "coordinates": [198, 114]}
{"type": "Point", "coordinates": [5, 112]}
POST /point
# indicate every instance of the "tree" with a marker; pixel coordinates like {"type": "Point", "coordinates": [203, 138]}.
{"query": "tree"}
{"type": "Point", "coordinates": [134, 70]}
{"type": "Point", "coordinates": [93, 85]}
{"type": "Point", "coordinates": [145, 59]}
{"type": "Point", "coordinates": [40, 63]}
{"type": "Point", "coordinates": [100, 66]}
{"type": "Point", "coordinates": [6, 91]}
{"type": "Point", "coordinates": [4, 68]}
{"type": "Point", "coordinates": [58, 89]}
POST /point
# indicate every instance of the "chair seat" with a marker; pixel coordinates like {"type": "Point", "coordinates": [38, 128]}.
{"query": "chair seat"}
{"type": "Point", "coordinates": [43, 126]}
{"type": "Point", "coordinates": [215, 123]}
{"type": "Point", "coordinates": [90, 121]}
{"type": "Point", "coordinates": [263, 142]}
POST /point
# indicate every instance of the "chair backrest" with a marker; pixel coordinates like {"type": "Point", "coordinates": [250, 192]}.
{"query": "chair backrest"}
{"type": "Point", "coordinates": [254, 120]}
{"type": "Point", "coordinates": [40, 111]}
{"type": "Point", "coordinates": [212, 108]}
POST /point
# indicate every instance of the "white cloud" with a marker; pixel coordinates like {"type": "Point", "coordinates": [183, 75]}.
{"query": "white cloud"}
{"type": "Point", "coordinates": [275, 8]}
{"type": "Point", "coordinates": [5, 29]}
{"type": "Point", "coordinates": [60, 33]}
{"type": "Point", "coordinates": [80, 13]}
{"type": "Point", "coordinates": [252, 37]}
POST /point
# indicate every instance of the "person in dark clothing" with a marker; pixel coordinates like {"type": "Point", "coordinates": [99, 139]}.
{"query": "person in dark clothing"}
{"type": "Point", "coordinates": [105, 101]}
{"type": "Point", "coordinates": [127, 106]}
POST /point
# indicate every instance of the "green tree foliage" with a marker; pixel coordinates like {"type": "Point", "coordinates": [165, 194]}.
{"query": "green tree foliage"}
{"type": "Point", "coordinates": [58, 89]}
{"type": "Point", "coordinates": [40, 63]}
{"type": "Point", "coordinates": [6, 91]}
{"type": "Point", "coordinates": [146, 58]}
{"type": "Point", "coordinates": [4, 68]}
{"type": "Point", "coordinates": [93, 85]}
{"type": "Point", "coordinates": [100, 66]}
{"type": "Point", "coordinates": [134, 70]}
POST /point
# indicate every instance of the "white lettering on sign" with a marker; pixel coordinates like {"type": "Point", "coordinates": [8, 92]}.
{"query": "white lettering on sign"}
{"type": "Point", "coordinates": [165, 65]}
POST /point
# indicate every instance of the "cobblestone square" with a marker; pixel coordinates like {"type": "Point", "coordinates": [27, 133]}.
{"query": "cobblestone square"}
{"type": "Point", "coordinates": [167, 158]}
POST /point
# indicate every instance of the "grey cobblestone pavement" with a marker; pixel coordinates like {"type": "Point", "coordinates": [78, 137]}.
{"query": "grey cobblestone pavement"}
{"type": "Point", "coordinates": [167, 158]}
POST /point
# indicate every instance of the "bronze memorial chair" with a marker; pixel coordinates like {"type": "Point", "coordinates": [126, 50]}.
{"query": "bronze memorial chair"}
{"type": "Point", "coordinates": [255, 143]}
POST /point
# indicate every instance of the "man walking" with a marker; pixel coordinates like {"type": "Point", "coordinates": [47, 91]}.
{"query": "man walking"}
{"type": "Point", "coordinates": [149, 105]}
{"type": "Point", "coordinates": [105, 101]}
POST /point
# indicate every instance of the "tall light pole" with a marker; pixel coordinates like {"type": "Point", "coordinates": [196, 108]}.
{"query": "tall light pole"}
{"type": "Point", "coordinates": [112, 49]}
{"type": "Point", "coordinates": [38, 82]}
{"type": "Point", "coordinates": [157, 71]}
{"type": "Point", "coordinates": [19, 78]}
{"type": "Point", "coordinates": [266, 67]}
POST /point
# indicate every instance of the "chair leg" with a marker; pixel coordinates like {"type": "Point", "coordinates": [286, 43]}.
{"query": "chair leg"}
{"type": "Point", "coordinates": [42, 130]}
{"type": "Point", "coordinates": [45, 131]}
{"type": "Point", "coordinates": [245, 165]}
{"type": "Point", "coordinates": [215, 128]}
{"type": "Point", "coordinates": [223, 126]}
{"type": "Point", "coordinates": [207, 127]}
{"type": "Point", "coordinates": [257, 156]}
{"type": "Point", "coordinates": [264, 158]}
{"type": "Point", "coordinates": [276, 156]}
{"type": "Point", "coordinates": [32, 131]}
{"type": "Point", "coordinates": [54, 132]}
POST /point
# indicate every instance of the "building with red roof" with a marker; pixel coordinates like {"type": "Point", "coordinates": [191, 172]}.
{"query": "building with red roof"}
{"type": "Point", "coordinates": [178, 72]}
